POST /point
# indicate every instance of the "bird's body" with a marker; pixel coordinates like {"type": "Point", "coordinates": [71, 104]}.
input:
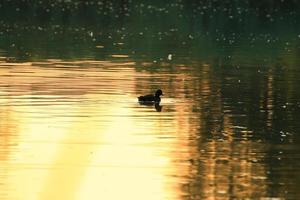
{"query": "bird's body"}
{"type": "Point", "coordinates": [151, 98]}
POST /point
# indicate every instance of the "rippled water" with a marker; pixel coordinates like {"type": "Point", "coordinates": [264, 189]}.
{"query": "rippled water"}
{"type": "Point", "coordinates": [73, 129]}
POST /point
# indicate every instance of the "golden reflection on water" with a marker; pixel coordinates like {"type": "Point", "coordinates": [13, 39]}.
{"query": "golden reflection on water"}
{"type": "Point", "coordinates": [63, 139]}
{"type": "Point", "coordinates": [73, 130]}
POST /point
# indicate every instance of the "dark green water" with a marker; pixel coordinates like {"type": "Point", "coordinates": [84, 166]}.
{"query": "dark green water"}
{"type": "Point", "coordinates": [70, 72]}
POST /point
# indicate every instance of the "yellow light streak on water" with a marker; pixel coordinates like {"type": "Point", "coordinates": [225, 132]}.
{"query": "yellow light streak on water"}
{"type": "Point", "coordinates": [79, 146]}
{"type": "Point", "coordinates": [74, 130]}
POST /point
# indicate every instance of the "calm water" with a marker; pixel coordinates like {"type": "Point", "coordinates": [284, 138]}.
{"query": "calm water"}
{"type": "Point", "coordinates": [72, 129]}
{"type": "Point", "coordinates": [227, 127]}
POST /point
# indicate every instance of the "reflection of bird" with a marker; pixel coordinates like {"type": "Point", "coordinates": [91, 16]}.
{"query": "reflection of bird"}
{"type": "Point", "coordinates": [158, 107]}
{"type": "Point", "coordinates": [151, 98]}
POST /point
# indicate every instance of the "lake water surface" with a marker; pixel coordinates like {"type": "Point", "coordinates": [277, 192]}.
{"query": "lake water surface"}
{"type": "Point", "coordinates": [227, 126]}
{"type": "Point", "coordinates": [73, 129]}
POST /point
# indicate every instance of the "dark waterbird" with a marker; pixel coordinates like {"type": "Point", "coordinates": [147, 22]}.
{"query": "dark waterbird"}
{"type": "Point", "coordinates": [150, 98]}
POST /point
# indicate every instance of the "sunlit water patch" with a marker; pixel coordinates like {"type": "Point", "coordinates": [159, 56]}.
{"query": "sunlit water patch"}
{"type": "Point", "coordinates": [74, 130]}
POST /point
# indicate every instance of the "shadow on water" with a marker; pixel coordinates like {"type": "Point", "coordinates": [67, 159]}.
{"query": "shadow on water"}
{"type": "Point", "coordinates": [227, 125]}
{"type": "Point", "coordinates": [157, 106]}
{"type": "Point", "coordinates": [149, 30]}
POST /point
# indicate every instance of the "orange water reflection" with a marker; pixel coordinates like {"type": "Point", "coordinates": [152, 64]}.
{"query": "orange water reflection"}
{"type": "Point", "coordinates": [73, 130]}
{"type": "Point", "coordinates": [74, 139]}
